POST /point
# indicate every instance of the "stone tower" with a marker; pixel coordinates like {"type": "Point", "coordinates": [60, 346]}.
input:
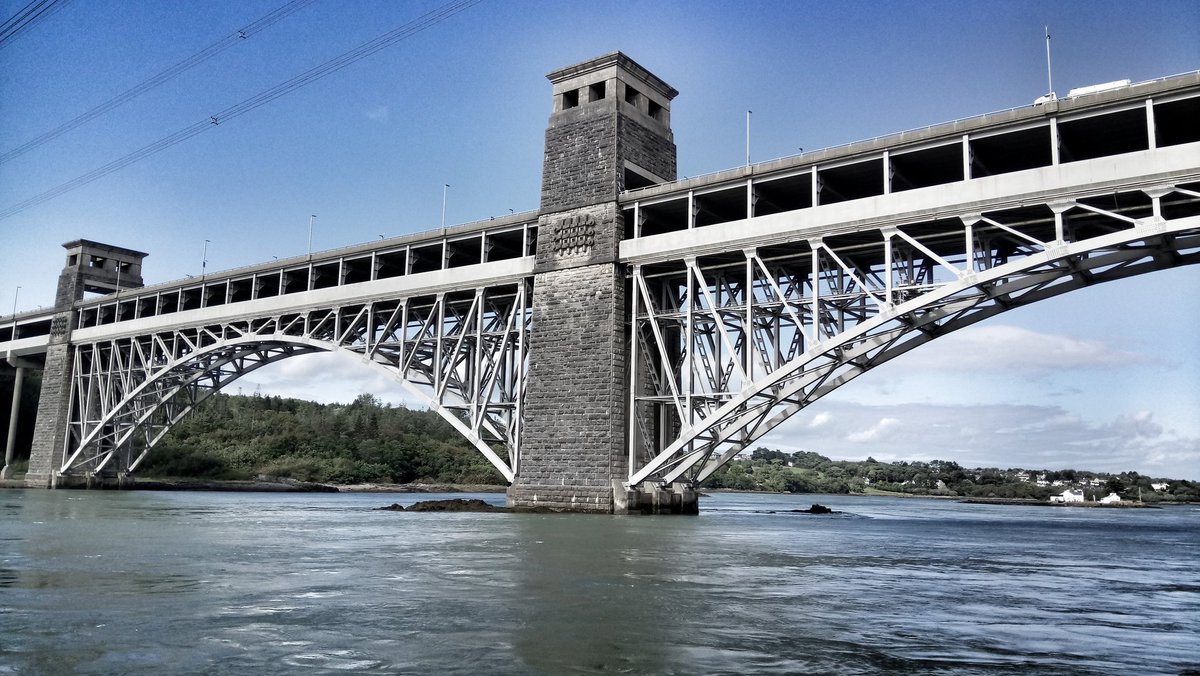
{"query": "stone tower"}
{"type": "Point", "coordinates": [91, 268]}
{"type": "Point", "coordinates": [609, 130]}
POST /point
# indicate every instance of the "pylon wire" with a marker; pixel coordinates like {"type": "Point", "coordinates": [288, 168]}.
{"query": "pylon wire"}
{"type": "Point", "coordinates": [150, 83]}
{"type": "Point", "coordinates": [28, 15]}
{"type": "Point", "coordinates": [329, 67]}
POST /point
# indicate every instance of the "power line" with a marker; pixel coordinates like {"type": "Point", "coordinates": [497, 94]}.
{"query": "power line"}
{"type": "Point", "coordinates": [329, 67]}
{"type": "Point", "coordinates": [26, 17]}
{"type": "Point", "coordinates": [150, 83]}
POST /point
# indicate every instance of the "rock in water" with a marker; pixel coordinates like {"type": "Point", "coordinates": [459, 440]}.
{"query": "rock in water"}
{"type": "Point", "coordinates": [815, 509]}
{"type": "Point", "coordinates": [452, 505]}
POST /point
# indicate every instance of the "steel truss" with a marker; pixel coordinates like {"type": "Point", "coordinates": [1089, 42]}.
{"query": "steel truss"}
{"type": "Point", "coordinates": [727, 346]}
{"type": "Point", "coordinates": [464, 353]}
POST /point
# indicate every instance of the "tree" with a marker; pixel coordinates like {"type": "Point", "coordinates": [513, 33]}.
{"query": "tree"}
{"type": "Point", "coordinates": [1115, 485]}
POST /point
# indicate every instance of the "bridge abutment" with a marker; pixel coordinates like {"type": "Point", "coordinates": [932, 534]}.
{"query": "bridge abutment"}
{"type": "Point", "coordinates": [610, 127]}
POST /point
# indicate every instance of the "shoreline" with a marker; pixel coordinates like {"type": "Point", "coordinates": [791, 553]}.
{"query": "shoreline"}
{"type": "Point", "coordinates": [265, 484]}
{"type": "Point", "coordinates": [1124, 504]}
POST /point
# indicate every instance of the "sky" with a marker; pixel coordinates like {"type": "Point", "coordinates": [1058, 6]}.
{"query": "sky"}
{"type": "Point", "coordinates": [1106, 378]}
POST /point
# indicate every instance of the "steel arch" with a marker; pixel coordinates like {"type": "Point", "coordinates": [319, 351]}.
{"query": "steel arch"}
{"type": "Point", "coordinates": [462, 353]}
{"type": "Point", "coordinates": [724, 362]}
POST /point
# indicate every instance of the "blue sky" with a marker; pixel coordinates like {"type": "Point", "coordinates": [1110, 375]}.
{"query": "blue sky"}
{"type": "Point", "coordinates": [1105, 378]}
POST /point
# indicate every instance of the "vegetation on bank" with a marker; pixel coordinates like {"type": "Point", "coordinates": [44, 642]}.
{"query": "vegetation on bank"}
{"type": "Point", "coordinates": [807, 472]}
{"type": "Point", "coordinates": [233, 437]}
{"type": "Point", "coordinates": [239, 437]}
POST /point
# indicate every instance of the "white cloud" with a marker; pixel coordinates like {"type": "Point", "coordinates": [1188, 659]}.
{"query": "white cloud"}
{"type": "Point", "coordinates": [1010, 348]}
{"type": "Point", "coordinates": [991, 435]}
{"type": "Point", "coordinates": [880, 431]}
{"type": "Point", "coordinates": [378, 113]}
{"type": "Point", "coordinates": [327, 377]}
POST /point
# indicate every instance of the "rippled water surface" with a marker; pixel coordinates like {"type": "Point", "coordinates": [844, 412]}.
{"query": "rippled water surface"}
{"type": "Point", "coordinates": [147, 582]}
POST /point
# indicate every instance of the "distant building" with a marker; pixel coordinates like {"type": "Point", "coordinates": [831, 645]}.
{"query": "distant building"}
{"type": "Point", "coordinates": [1041, 480]}
{"type": "Point", "coordinates": [1110, 498]}
{"type": "Point", "coordinates": [1023, 477]}
{"type": "Point", "coordinates": [1068, 496]}
{"type": "Point", "coordinates": [1058, 482]}
{"type": "Point", "coordinates": [1160, 487]}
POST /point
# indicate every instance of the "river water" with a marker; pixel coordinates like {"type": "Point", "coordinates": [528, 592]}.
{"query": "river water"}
{"type": "Point", "coordinates": [234, 583]}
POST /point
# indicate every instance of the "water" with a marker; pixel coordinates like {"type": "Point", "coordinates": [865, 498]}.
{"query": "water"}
{"type": "Point", "coordinates": [233, 583]}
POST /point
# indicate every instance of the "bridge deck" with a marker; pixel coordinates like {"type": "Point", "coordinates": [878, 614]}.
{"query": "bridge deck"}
{"type": "Point", "coordinates": [976, 154]}
{"type": "Point", "coordinates": [409, 263]}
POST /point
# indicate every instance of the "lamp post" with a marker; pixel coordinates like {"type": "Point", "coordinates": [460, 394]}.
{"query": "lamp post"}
{"type": "Point", "coordinates": [310, 224]}
{"type": "Point", "coordinates": [748, 113]}
{"type": "Point", "coordinates": [204, 260]}
{"type": "Point", "coordinates": [445, 189]}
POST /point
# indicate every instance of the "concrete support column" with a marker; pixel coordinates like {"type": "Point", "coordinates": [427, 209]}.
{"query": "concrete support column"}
{"type": "Point", "coordinates": [1055, 143]}
{"type": "Point", "coordinates": [1151, 132]}
{"type": "Point", "coordinates": [652, 498]}
{"type": "Point", "coordinates": [10, 447]}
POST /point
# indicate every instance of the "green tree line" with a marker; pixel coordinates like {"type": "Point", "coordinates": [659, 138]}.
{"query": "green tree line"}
{"type": "Point", "coordinates": [366, 441]}
{"type": "Point", "coordinates": [240, 437]}
{"type": "Point", "coordinates": [807, 472]}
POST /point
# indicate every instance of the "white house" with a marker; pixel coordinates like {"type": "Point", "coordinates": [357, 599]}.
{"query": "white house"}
{"type": "Point", "coordinates": [1110, 498]}
{"type": "Point", "coordinates": [1160, 487]}
{"type": "Point", "coordinates": [1068, 496]}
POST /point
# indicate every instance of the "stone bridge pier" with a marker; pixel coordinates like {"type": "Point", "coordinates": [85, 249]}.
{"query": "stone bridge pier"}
{"type": "Point", "coordinates": [610, 130]}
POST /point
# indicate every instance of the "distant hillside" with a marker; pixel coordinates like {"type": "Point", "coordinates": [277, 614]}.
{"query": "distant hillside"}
{"type": "Point", "coordinates": [806, 472]}
{"type": "Point", "coordinates": [239, 437]}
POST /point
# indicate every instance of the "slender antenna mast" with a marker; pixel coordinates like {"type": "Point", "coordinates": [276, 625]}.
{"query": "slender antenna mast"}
{"type": "Point", "coordinates": [1049, 78]}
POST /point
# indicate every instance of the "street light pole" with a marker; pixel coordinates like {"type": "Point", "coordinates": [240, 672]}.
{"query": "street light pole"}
{"type": "Point", "coordinates": [204, 261]}
{"type": "Point", "coordinates": [310, 224]}
{"type": "Point", "coordinates": [748, 113]}
{"type": "Point", "coordinates": [445, 188]}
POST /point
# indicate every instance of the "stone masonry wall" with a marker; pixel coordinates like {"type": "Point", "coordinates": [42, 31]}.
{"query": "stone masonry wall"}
{"type": "Point", "coordinates": [574, 406]}
{"type": "Point", "coordinates": [573, 435]}
{"type": "Point", "coordinates": [49, 435]}
{"type": "Point", "coordinates": [584, 236]}
{"type": "Point", "coordinates": [54, 404]}
{"type": "Point", "coordinates": [580, 164]}
{"type": "Point", "coordinates": [647, 147]}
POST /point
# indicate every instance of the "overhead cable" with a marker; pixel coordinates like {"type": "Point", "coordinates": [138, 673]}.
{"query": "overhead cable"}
{"type": "Point", "coordinates": [28, 15]}
{"type": "Point", "coordinates": [152, 82]}
{"type": "Point", "coordinates": [306, 78]}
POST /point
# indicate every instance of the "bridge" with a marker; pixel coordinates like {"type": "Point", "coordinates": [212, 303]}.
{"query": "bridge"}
{"type": "Point", "coordinates": [610, 350]}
